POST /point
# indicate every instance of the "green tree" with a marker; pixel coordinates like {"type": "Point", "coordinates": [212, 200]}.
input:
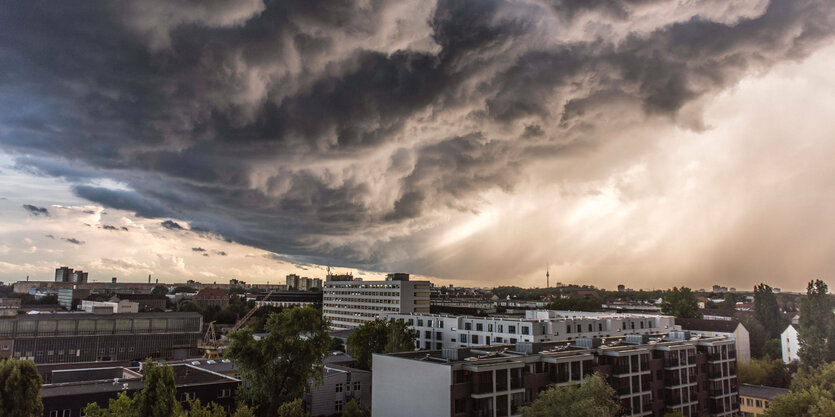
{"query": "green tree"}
{"type": "Point", "coordinates": [243, 411]}
{"type": "Point", "coordinates": [20, 385]}
{"type": "Point", "coordinates": [158, 396]}
{"type": "Point", "coordinates": [577, 304]}
{"type": "Point", "coordinates": [767, 311]}
{"type": "Point", "coordinates": [756, 334]}
{"type": "Point", "coordinates": [816, 326]}
{"type": "Point", "coordinates": [121, 406]}
{"type": "Point", "coordinates": [681, 302]}
{"type": "Point", "coordinates": [380, 336]}
{"type": "Point", "coordinates": [195, 409]}
{"type": "Point", "coordinates": [772, 373]}
{"type": "Point", "coordinates": [593, 398]}
{"type": "Point", "coordinates": [812, 393]}
{"type": "Point", "coordinates": [160, 290]}
{"type": "Point", "coordinates": [189, 305]}
{"type": "Point", "coordinates": [337, 345]}
{"type": "Point", "coordinates": [352, 409]}
{"type": "Point", "coordinates": [278, 368]}
{"type": "Point", "coordinates": [292, 409]}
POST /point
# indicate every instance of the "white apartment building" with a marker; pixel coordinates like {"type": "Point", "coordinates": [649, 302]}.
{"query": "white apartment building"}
{"type": "Point", "coordinates": [349, 304]}
{"type": "Point", "coordinates": [790, 343]}
{"type": "Point", "coordinates": [439, 331]}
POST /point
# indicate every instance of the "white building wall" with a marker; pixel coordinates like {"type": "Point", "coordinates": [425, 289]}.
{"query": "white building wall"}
{"type": "Point", "coordinates": [444, 331]}
{"type": "Point", "coordinates": [402, 388]}
{"type": "Point", "coordinates": [123, 306]}
{"type": "Point", "coordinates": [349, 304]}
{"type": "Point", "coordinates": [790, 344]}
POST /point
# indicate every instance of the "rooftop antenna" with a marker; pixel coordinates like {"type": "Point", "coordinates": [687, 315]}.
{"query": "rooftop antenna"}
{"type": "Point", "coordinates": [547, 277]}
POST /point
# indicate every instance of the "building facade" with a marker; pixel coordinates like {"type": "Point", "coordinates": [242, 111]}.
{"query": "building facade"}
{"type": "Point", "coordinates": [439, 331]}
{"type": "Point", "coordinates": [83, 337]}
{"type": "Point", "coordinates": [727, 328]}
{"type": "Point", "coordinates": [212, 297]}
{"type": "Point", "coordinates": [297, 283]}
{"type": "Point", "coordinates": [72, 390]}
{"type": "Point", "coordinates": [120, 306]}
{"type": "Point", "coordinates": [754, 399]}
{"type": "Point", "coordinates": [651, 375]}
{"type": "Point", "coordinates": [790, 344]}
{"type": "Point", "coordinates": [349, 304]}
{"type": "Point", "coordinates": [289, 299]}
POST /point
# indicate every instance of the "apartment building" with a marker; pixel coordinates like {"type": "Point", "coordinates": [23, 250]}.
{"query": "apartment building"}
{"type": "Point", "coordinates": [439, 331]}
{"type": "Point", "coordinates": [350, 303]}
{"type": "Point", "coordinates": [651, 374]}
{"type": "Point", "coordinates": [82, 337]}
{"type": "Point", "coordinates": [754, 399]}
{"type": "Point", "coordinates": [724, 327]}
{"type": "Point", "coordinates": [295, 282]}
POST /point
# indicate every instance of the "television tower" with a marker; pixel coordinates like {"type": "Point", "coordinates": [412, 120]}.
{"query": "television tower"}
{"type": "Point", "coordinates": [547, 277]}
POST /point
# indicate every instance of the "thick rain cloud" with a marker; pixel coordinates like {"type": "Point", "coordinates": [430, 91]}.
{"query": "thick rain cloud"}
{"type": "Point", "coordinates": [343, 133]}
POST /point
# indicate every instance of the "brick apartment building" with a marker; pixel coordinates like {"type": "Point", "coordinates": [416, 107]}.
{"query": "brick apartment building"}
{"type": "Point", "coordinates": [212, 297]}
{"type": "Point", "coordinates": [652, 375]}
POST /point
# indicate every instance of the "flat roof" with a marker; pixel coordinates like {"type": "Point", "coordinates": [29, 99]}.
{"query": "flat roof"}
{"type": "Point", "coordinates": [85, 315]}
{"type": "Point", "coordinates": [761, 391]}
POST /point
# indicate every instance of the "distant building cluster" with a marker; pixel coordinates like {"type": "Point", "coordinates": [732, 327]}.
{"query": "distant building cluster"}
{"type": "Point", "coordinates": [297, 283]}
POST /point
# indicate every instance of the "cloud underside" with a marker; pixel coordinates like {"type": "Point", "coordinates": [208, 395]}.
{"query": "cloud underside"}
{"type": "Point", "coordinates": [347, 134]}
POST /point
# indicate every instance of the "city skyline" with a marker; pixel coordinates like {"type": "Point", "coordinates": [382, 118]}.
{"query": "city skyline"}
{"type": "Point", "coordinates": [469, 143]}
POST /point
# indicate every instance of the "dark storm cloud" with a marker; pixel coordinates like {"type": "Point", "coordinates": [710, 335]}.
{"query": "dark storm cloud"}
{"type": "Point", "coordinates": [109, 227]}
{"type": "Point", "coordinates": [220, 253]}
{"type": "Point", "coordinates": [73, 240]}
{"type": "Point", "coordinates": [298, 128]}
{"type": "Point", "coordinates": [198, 249]}
{"type": "Point", "coordinates": [35, 210]}
{"type": "Point", "coordinates": [171, 225]}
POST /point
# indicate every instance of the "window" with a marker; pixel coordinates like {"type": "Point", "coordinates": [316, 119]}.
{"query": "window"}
{"type": "Point", "coordinates": [440, 324]}
{"type": "Point", "coordinates": [489, 327]}
{"type": "Point", "coordinates": [501, 328]}
{"type": "Point", "coordinates": [460, 405]}
{"type": "Point", "coordinates": [439, 336]}
{"type": "Point", "coordinates": [463, 338]}
{"type": "Point", "coordinates": [338, 405]}
{"type": "Point", "coordinates": [511, 329]}
{"type": "Point", "coordinates": [420, 322]}
{"type": "Point", "coordinates": [579, 329]}
{"type": "Point", "coordinates": [53, 413]}
{"type": "Point", "coordinates": [468, 326]}
{"type": "Point", "coordinates": [427, 345]}
{"type": "Point", "coordinates": [427, 334]}
{"type": "Point", "coordinates": [189, 396]}
{"type": "Point", "coordinates": [599, 327]}
{"type": "Point", "coordinates": [338, 387]}
{"type": "Point", "coordinates": [479, 327]}
{"type": "Point", "coordinates": [67, 413]}
{"type": "Point", "coordinates": [512, 340]}
{"type": "Point", "coordinates": [474, 339]}
{"type": "Point", "coordinates": [356, 385]}
{"type": "Point", "coordinates": [526, 330]}
{"type": "Point", "coordinates": [224, 393]}
{"type": "Point", "coordinates": [568, 329]}
{"type": "Point", "coordinates": [759, 403]}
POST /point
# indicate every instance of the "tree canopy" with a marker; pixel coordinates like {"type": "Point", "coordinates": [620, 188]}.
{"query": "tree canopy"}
{"type": "Point", "coordinates": [380, 336]}
{"type": "Point", "coordinates": [767, 311]}
{"type": "Point", "coordinates": [812, 393]}
{"type": "Point", "coordinates": [292, 409]}
{"type": "Point", "coordinates": [20, 385]}
{"type": "Point", "coordinates": [817, 327]}
{"type": "Point", "coordinates": [681, 302]}
{"type": "Point", "coordinates": [771, 372]}
{"type": "Point", "coordinates": [279, 367]}
{"type": "Point", "coordinates": [593, 398]}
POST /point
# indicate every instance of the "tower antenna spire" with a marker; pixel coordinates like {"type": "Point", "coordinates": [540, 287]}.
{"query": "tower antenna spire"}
{"type": "Point", "coordinates": [547, 277]}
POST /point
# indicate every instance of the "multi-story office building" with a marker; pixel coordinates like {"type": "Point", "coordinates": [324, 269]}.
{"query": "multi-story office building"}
{"type": "Point", "coordinates": [348, 304]}
{"type": "Point", "coordinates": [83, 337]}
{"type": "Point", "coordinates": [438, 331]}
{"type": "Point", "coordinates": [724, 327]}
{"type": "Point", "coordinates": [212, 297]}
{"type": "Point", "coordinates": [71, 390]}
{"type": "Point", "coordinates": [651, 375]}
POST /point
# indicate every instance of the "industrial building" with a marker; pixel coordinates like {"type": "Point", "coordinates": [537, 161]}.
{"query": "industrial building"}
{"type": "Point", "coordinates": [83, 337]}
{"type": "Point", "coordinates": [71, 390]}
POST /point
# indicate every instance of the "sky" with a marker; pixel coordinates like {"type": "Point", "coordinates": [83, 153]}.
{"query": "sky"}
{"type": "Point", "coordinates": [644, 142]}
